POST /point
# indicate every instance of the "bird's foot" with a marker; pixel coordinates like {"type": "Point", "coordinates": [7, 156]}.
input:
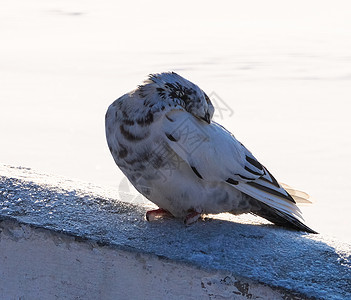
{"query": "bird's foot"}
{"type": "Point", "coordinates": [155, 214]}
{"type": "Point", "coordinates": [192, 217]}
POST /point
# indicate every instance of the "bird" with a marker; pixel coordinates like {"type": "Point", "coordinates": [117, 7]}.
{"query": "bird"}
{"type": "Point", "coordinates": [162, 137]}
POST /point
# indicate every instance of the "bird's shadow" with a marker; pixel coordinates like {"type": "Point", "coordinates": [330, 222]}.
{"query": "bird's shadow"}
{"type": "Point", "coordinates": [264, 252]}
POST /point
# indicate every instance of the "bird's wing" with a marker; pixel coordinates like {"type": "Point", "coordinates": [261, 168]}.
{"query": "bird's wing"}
{"type": "Point", "coordinates": [214, 154]}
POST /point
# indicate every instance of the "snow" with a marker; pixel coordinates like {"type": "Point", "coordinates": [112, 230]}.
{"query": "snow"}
{"type": "Point", "coordinates": [313, 265]}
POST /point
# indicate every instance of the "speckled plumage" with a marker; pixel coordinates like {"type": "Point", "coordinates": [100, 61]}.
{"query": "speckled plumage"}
{"type": "Point", "coordinates": [162, 137]}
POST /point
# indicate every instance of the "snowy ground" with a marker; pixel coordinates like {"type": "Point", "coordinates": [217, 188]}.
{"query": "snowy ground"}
{"type": "Point", "coordinates": [283, 69]}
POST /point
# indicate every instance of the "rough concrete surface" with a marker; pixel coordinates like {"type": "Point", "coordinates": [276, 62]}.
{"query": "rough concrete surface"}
{"type": "Point", "coordinates": [64, 239]}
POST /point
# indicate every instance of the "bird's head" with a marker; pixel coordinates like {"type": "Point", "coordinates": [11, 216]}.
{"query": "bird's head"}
{"type": "Point", "coordinates": [176, 91]}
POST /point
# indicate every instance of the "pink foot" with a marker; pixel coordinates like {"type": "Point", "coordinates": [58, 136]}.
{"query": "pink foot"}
{"type": "Point", "coordinates": [192, 217]}
{"type": "Point", "coordinates": [155, 214]}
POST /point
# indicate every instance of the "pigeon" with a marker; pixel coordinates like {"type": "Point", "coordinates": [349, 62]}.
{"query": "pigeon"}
{"type": "Point", "coordinates": [162, 137]}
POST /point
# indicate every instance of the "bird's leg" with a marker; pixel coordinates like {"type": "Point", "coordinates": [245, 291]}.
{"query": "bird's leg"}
{"type": "Point", "coordinates": [192, 217]}
{"type": "Point", "coordinates": [152, 215]}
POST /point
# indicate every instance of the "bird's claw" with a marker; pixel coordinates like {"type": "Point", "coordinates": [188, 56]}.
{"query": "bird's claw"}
{"type": "Point", "coordinates": [155, 214]}
{"type": "Point", "coordinates": [192, 217]}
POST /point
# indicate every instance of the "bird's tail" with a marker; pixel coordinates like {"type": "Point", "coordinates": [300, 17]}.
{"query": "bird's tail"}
{"type": "Point", "coordinates": [300, 197]}
{"type": "Point", "coordinates": [277, 217]}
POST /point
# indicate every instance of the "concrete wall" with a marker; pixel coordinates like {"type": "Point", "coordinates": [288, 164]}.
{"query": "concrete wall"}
{"type": "Point", "coordinates": [69, 241]}
{"type": "Point", "coordinates": [38, 263]}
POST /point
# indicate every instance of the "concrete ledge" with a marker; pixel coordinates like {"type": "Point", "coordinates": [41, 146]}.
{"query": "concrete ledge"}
{"type": "Point", "coordinates": [43, 264]}
{"type": "Point", "coordinates": [62, 239]}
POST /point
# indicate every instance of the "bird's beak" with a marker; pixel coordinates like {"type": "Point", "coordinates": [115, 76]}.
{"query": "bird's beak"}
{"type": "Point", "coordinates": [207, 118]}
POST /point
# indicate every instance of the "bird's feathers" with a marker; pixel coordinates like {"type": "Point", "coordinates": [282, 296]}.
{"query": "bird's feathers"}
{"type": "Point", "coordinates": [167, 118]}
{"type": "Point", "coordinates": [300, 197]}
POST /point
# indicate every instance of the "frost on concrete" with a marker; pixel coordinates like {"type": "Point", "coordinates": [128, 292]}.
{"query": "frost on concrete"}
{"type": "Point", "coordinates": [311, 265]}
